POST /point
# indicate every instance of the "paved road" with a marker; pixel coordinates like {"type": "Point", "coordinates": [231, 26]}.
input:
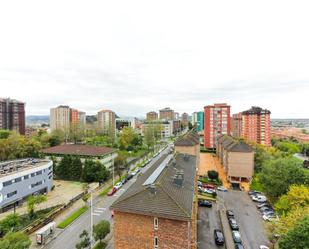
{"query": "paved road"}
{"type": "Point", "coordinates": [208, 220]}
{"type": "Point", "coordinates": [70, 236]}
{"type": "Point", "coordinates": [250, 223]}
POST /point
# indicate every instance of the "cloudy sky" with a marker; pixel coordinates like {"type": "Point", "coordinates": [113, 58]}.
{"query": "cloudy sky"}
{"type": "Point", "coordinates": [137, 56]}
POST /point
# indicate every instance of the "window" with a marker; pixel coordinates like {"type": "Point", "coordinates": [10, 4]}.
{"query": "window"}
{"type": "Point", "coordinates": [18, 179]}
{"type": "Point", "coordinates": [11, 194]}
{"type": "Point", "coordinates": [39, 172]}
{"type": "Point", "coordinates": [36, 184]}
{"type": "Point", "coordinates": [32, 175]}
{"type": "Point", "coordinates": [156, 242]}
{"type": "Point", "coordinates": [7, 183]}
{"type": "Point", "coordinates": [156, 223]}
{"type": "Point", "coordinates": [26, 177]}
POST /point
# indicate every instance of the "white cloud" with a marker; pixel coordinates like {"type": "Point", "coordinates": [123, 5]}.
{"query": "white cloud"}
{"type": "Point", "coordinates": [136, 56]}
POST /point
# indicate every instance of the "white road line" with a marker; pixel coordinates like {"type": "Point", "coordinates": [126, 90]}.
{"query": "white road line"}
{"type": "Point", "coordinates": [101, 209]}
{"type": "Point", "coordinates": [96, 214]}
{"type": "Point", "coordinates": [116, 195]}
{"type": "Point", "coordinates": [122, 189]}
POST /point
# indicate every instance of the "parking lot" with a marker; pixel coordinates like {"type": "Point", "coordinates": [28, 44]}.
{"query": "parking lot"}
{"type": "Point", "coordinates": [251, 225]}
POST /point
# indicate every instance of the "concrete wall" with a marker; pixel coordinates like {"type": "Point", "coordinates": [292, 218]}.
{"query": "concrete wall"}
{"type": "Point", "coordinates": [241, 164]}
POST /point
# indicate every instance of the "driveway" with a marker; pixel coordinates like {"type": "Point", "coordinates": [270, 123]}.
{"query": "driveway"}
{"type": "Point", "coordinates": [208, 220]}
{"type": "Point", "coordinates": [249, 220]}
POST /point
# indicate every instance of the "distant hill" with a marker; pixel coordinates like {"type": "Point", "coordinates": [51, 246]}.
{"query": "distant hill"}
{"type": "Point", "coordinates": [37, 119]}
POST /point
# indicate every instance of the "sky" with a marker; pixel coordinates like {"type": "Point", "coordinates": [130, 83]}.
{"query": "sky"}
{"type": "Point", "coordinates": [138, 56]}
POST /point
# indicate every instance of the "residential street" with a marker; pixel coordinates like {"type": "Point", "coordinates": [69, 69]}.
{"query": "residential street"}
{"type": "Point", "coordinates": [70, 236]}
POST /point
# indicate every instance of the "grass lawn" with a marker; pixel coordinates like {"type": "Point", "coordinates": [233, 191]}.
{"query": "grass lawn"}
{"type": "Point", "coordinates": [105, 191]}
{"type": "Point", "coordinates": [72, 217]}
{"type": "Point", "coordinates": [256, 185]}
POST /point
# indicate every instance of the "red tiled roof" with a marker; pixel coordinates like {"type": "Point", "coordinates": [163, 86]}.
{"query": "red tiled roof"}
{"type": "Point", "coordinates": [77, 149]}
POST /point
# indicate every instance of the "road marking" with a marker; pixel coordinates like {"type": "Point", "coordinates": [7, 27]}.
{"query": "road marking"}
{"type": "Point", "coordinates": [96, 214]}
{"type": "Point", "coordinates": [116, 195]}
{"type": "Point", "coordinates": [122, 189]}
{"type": "Point", "coordinates": [101, 209]}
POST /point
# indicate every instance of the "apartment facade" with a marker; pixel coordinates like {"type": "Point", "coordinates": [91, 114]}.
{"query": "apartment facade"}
{"type": "Point", "coordinates": [236, 125]}
{"type": "Point", "coordinates": [199, 121]}
{"type": "Point", "coordinates": [237, 159]}
{"type": "Point", "coordinates": [256, 125]}
{"type": "Point", "coordinates": [159, 210]}
{"type": "Point", "coordinates": [189, 144]}
{"type": "Point", "coordinates": [165, 127]}
{"type": "Point", "coordinates": [107, 122]}
{"type": "Point", "coordinates": [185, 119]}
{"type": "Point", "coordinates": [194, 118]}
{"type": "Point", "coordinates": [217, 121]}
{"type": "Point", "coordinates": [166, 114]}
{"type": "Point", "coordinates": [12, 115]}
{"type": "Point", "coordinates": [22, 178]}
{"type": "Point", "coordinates": [60, 118]}
{"type": "Point", "coordinates": [152, 116]}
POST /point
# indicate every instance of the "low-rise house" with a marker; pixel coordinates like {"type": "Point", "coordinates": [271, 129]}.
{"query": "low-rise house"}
{"type": "Point", "coordinates": [188, 144]}
{"type": "Point", "coordinates": [159, 210]}
{"type": "Point", "coordinates": [237, 159]}
{"type": "Point", "coordinates": [105, 155]}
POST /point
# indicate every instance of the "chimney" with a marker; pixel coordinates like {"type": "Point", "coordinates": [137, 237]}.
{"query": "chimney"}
{"type": "Point", "coordinates": [178, 178]}
{"type": "Point", "coordinates": [152, 189]}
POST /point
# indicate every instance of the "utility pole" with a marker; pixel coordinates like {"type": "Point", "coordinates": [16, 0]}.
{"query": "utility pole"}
{"type": "Point", "coordinates": [91, 221]}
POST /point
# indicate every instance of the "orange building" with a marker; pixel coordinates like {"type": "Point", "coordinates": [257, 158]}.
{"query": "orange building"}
{"type": "Point", "coordinates": [256, 125]}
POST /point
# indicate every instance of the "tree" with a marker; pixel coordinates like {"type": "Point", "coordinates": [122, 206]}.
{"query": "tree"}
{"type": "Point", "coordinates": [297, 237]}
{"type": "Point", "coordinates": [85, 240]}
{"type": "Point", "coordinates": [212, 174]}
{"type": "Point", "coordinates": [32, 201]}
{"type": "Point", "coordinates": [10, 224]}
{"type": "Point", "coordinates": [94, 171]}
{"type": "Point", "coordinates": [119, 164]}
{"type": "Point", "coordinates": [56, 138]}
{"type": "Point", "coordinates": [63, 169]}
{"type": "Point", "coordinates": [76, 169]}
{"type": "Point", "coordinates": [4, 134]}
{"type": "Point", "coordinates": [278, 175]}
{"type": "Point", "coordinates": [127, 137]}
{"type": "Point", "coordinates": [16, 240]}
{"type": "Point", "coordinates": [100, 230]}
{"type": "Point", "coordinates": [288, 147]}
{"type": "Point", "coordinates": [296, 197]}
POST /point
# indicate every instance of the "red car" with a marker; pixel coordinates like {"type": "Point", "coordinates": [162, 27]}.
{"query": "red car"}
{"type": "Point", "coordinates": [208, 186]}
{"type": "Point", "coordinates": [112, 191]}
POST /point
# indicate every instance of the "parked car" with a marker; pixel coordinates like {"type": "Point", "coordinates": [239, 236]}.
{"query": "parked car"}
{"type": "Point", "coordinates": [266, 208]}
{"type": "Point", "coordinates": [239, 246]}
{"type": "Point", "coordinates": [124, 180]}
{"type": "Point", "coordinates": [210, 186]}
{"type": "Point", "coordinates": [209, 191]}
{"type": "Point", "coordinates": [219, 237]}
{"type": "Point", "coordinates": [233, 224]}
{"type": "Point", "coordinates": [259, 198]}
{"type": "Point", "coordinates": [118, 185]}
{"type": "Point", "coordinates": [200, 184]}
{"type": "Point", "coordinates": [236, 237]}
{"type": "Point", "coordinates": [254, 192]}
{"type": "Point", "coordinates": [264, 204]}
{"type": "Point", "coordinates": [229, 214]}
{"type": "Point", "coordinates": [204, 203]}
{"type": "Point", "coordinates": [268, 212]}
{"type": "Point", "coordinates": [129, 177]}
{"type": "Point", "coordinates": [222, 188]}
{"type": "Point", "coordinates": [112, 191]}
{"type": "Point", "coordinates": [270, 217]}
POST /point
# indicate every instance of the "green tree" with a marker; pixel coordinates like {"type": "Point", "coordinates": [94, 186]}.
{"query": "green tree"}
{"type": "Point", "coordinates": [56, 138]}
{"type": "Point", "coordinates": [101, 230]}
{"type": "Point", "coordinates": [85, 240]}
{"type": "Point", "coordinates": [4, 134]}
{"type": "Point", "coordinates": [213, 175]}
{"type": "Point", "coordinates": [297, 237]}
{"type": "Point", "coordinates": [64, 167]}
{"type": "Point", "coordinates": [76, 169]}
{"type": "Point", "coordinates": [296, 197]}
{"type": "Point", "coordinates": [10, 224]}
{"type": "Point", "coordinates": [288, 147]}
{"type": "Point", "coordinates": [119, 164]}
{"type": "Point", "coordinates": [94, 171]}
{"type": "Point", "coordinates": [32, 201]}
{"type": "Point", "coordinates": [127, 137]}
{"type": "Point", "coordinates": [278, 175]}
{"type": "Point", "coordinates": [16, 240]}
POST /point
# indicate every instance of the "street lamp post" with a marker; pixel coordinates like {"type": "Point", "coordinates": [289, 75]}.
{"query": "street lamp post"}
{"type": "Point", "coordinates": [91, 221]}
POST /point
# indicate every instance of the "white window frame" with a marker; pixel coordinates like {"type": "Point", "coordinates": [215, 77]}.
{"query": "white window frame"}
{"type": "Point", "coordinates": [155, 242]}
{"type": "Point", "coordinates": [156, 223]}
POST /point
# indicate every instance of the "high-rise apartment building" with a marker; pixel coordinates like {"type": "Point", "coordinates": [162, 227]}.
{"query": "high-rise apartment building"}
{"type": "Point", "coordinates": [176, 116]}
{"type": "Point", "coordinates": [256, 125]}
{"type": "Point", "coordinates": [167, 114]}
{"type": "Point", "coordinates": [199, 121]}
{"type": "Point", "coordinates": [82, 119]}
{"type": "Point", "coordinates": [12, 115]}
{"type": "Point", "coordinates": [74, 117]}
{"type": "Point", "coordinates": [236, 125]}
{"type": "Point", "coordinates": [194, 118]}
{"type": "Point", "coordinates": [185, 119]}
{"type": "Point", "coordinates": [151, 115]}
{"type": "Point", "coordinates": [107, 122]}
{"type": "Point", "coordinates": [217, 121]}
{"type": "Point", "coordinates": [60, 118]}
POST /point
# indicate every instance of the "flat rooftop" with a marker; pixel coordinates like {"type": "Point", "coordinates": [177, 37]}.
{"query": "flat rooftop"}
{"type": "Point", "coordinates": [12, 167]}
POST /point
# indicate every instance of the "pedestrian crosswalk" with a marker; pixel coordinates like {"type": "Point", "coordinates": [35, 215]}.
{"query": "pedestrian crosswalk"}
{"type": "Point", "coordinates": [98, 211]}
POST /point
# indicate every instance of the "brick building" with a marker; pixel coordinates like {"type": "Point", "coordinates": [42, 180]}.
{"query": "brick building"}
{"type": "Point", "coordinates": [188, 144]}
{"type": "Point", "coordinates": [237, 159]}
{"type": "Point", "coordinates": [12, 115]}
{"type": "Point", "coordinates": [167, 114]}
{"type": "Point", "coordinates": [159, 210]}
{"type": "Point", "coordinates": [151, 115]}
{"type": "Point", "coordinates": [236, 124]}
{"type": "Point", "coordinates": [256, 125]}
{"type": "Point", "coordinates": [217, 121]}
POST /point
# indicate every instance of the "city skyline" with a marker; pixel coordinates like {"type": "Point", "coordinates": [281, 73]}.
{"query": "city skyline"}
{"type": "Point", "coordinates": [185, 63]}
